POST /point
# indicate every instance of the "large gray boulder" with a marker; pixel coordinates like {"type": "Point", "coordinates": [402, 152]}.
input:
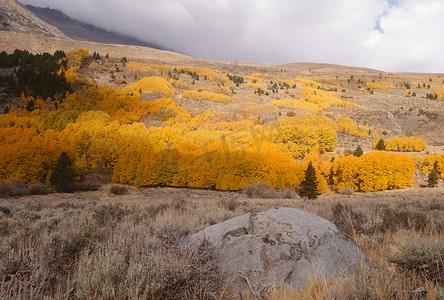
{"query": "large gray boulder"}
{"type": "Point", "coordinates": [281, 247]}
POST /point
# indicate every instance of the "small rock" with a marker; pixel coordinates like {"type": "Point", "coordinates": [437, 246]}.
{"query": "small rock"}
{"type": "Point", "coordinates": [414, 112]}
{"type": "Point", "coordinates": [396, 127]}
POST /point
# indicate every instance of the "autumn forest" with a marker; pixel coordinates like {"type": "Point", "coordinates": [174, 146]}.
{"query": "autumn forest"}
{"type": "Point", "coordinates": [134, 128]}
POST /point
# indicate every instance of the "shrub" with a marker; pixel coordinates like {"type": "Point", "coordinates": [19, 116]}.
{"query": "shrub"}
{"type": "Point", "coordinates": [353, 220]}
{"type": "Point", "coordinates": [18, 188]}
{"type": "Point", "coordinates": [265, 191]}
{"type": "Point", "coordinates": [176, 272]}
{"type": "Point", "coordinates": [348, 220]}
{"type": "Point", "coordinates": [102, 277]}
{"type": "Point", "coordinates": [348, 152]}
{"type": "Point", "coordinates": [230, 204]}
{"type": "Point", "coordinates": [347, 191]}
{"type": "Point", "coordinates": [288, 193]}
{"type": "Point", "coordinates": [394, 219]}
{"type": "Point", "coordinates": [6, 211]}
{"type": "Point", "coordinates": [260, 190]}
{"type": "Point", "coordinates": [119, 81]}
{"type": "Point", "coordinates": [376, 281]}
{"type": "Point", "coordinates": [38, 188]}
{"type": "Point", "coordinates": [180, 204]}
{"type": "Point", "coordinates": [13, 188]}
{"type": "Point", "coordinates": [118, 190]}
{"type": "Point", "coordinates": [91, 182]}
{"type": "Point", "coordinates": [109, 215]}
{"type": "Point", "coordinates": [422, 255]}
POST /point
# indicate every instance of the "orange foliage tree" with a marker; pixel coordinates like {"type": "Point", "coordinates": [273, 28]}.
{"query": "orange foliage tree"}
{"type": "Point", "coordinates": [76, 59]}
{"type": "Point", "coordinates": [27, 155]}
{"type": "Point", "coordinates": [404, 144]}
{"type": "Point", "coordinates": [120, 105]}
{"type": "Point", "coordinates": [301, 134]}
{"type": "Point", "coordinates": [373, 171]}
{"type": "Point", "coordinates": [432, 161]}
{"type": "Point", "coordinates": [98, 128]}
{"type": "Point", "coordinates": [349, 126]}
{"type": "Point", "coordinates": [215, 166]}
{"type": "Point", "coordinates": [153, 85]}
{"type": "Point", "coordinates": [324, 99]}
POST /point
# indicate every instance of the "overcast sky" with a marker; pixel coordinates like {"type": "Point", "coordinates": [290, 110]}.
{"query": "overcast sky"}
{"type": "Point", "coordinates": [389, 35]}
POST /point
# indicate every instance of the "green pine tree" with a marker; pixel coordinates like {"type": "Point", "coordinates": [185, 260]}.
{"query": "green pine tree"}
{"type": "Point", "coordinates": [380, 145]}
{"type": "Point", "coordinates": [358, 151]}
{"type": "Point", "coordinates": [433, 179]}
{"type": "Point", "coordinates": [309, 186]}
{"type": "Point", "coordinates": [62, 176]}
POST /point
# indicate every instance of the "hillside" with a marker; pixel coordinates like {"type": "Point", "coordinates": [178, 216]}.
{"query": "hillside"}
{"type": "Point", "coordinates": [298, 108]}
{"type": "Point", "coordinates": [16, 18]}
{"type": "Point", "coordinates": [387, 109]}
{"type": "Point", "coordinates": [255, 112]}
{"type": "Point", "coordinates": [83, 31]}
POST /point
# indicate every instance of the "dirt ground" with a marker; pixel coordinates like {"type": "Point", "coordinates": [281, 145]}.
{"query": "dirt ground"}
{"type": "Point", "coordinates": [153, 196]}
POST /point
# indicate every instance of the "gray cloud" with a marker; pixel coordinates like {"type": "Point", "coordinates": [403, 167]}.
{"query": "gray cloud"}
{"type": "Point", "coordinates": [390, 35]}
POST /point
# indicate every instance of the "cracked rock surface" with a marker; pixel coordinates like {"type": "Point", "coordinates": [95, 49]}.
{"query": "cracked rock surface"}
{"type": "Point", "coordinates": [281, 247]}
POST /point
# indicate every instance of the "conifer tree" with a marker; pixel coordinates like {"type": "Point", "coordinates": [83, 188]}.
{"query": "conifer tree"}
{"type": "Point", "coordinates": [433, 179]}
{"type": "Point", "coordinates": [358, 151]}
{"type": "Point", "coordinates": [309, 186]}
{"type": "Point", "coordinates": [62, 176]}
{"type": "Point", "coordinates": [380, 145]}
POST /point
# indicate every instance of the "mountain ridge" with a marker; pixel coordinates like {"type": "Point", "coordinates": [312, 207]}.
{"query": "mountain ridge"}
{"type": "Point", "coordinates": [17, 18]}
{"type": "Point", "coordinates": [31, 33]}
{"type": "Point", "coordinates": [81, 31]}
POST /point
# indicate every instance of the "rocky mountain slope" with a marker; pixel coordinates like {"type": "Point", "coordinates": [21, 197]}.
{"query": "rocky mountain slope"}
{"type": "Point", "coordinates": [15, 17]}
{"type": "Point", "coordinates": [83, 31]}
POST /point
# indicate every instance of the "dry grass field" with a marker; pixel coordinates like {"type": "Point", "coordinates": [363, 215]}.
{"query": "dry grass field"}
{"type": "Point", "coordinates": [99, 245]}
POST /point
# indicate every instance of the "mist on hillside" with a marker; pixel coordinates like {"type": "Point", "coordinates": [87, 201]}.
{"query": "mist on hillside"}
{"type": "Point", "coordinates": [389, 35]}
